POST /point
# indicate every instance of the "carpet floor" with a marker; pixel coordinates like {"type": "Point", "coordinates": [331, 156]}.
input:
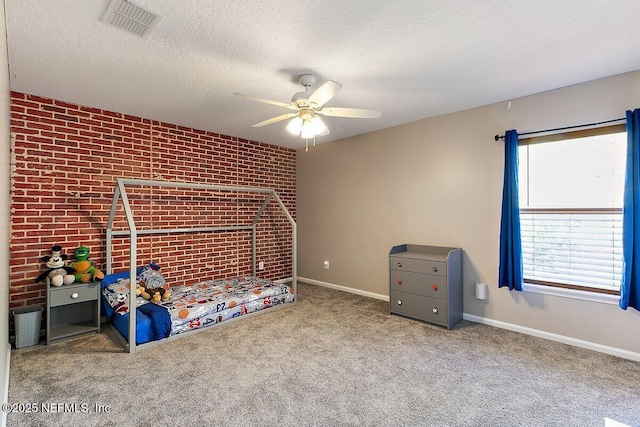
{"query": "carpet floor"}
{"type": "Point", "coordinates": [331, 359]}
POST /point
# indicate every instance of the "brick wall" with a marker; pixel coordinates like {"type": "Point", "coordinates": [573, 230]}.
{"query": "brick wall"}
{"type": "Point", "coordinates": [66, 158]}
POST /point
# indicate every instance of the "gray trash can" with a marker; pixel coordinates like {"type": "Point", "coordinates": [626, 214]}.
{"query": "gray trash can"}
{"type": "Point", "coordinates": [27, 321]}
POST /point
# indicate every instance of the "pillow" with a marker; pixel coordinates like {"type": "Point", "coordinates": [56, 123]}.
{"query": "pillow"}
{"type": "Point", "coordinates": [115, 287]}
{"type": "Point", "coordinates": [151, 278]}
{"type": "Point", "coordinates": [110, 279]}
{"type": "Point", "coordinates": [117, 296]}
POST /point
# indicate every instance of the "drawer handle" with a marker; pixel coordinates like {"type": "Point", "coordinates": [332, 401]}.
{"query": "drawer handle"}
{"type": "Point", "coordinates": [74, 295]}
{"type": "Point", "coordinates": [435, 269]}
{"type": "Point", "coordinates": [399, 281]}
{"type": "Point", "coordinates": [399, 265]}
{"type": "Point", "coordinates": [435, 311]}
{"type": "Point", "coordinates": [434, 287]}
{"type": "Point", "coordinates": [399, 302]}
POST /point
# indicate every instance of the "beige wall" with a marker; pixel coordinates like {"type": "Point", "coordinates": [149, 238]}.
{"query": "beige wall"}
{"type": "Point", "coordinates": [438, 181]}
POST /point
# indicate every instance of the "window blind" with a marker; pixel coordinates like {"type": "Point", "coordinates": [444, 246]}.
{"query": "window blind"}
{"type": "Point", "coordinates": [579, 247]}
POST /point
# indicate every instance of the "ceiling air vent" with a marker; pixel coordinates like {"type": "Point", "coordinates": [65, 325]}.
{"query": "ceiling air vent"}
{"type": "Point", "coordinates": [126, 15]}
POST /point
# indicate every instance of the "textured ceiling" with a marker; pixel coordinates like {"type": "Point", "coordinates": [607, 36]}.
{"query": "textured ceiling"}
{"type": "Point", "coordinates": [410, 59]}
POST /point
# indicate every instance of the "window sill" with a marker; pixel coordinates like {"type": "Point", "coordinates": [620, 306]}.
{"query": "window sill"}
{"type": "Point", "coordinates": [571, 293]}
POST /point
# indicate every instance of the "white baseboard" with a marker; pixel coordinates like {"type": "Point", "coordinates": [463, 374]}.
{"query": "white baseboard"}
{"type": "Point", "coordinates": [344, 289]}
{"type": "Point", "coordinates": [614, 351]}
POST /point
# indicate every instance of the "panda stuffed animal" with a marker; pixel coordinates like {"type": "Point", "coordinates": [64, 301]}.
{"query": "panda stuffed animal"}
{"type": "Point", "coordinates": [58, 273]}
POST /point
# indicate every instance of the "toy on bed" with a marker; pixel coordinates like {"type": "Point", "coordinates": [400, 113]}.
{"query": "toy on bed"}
{"type": "Point", "coordinates": [58, 272]}
{"type": "Point", "coordinates": [152, 320]}
{"type": "Point", "coordinates": [190, 307]}
{"type": "Point", "coordinates": [115, 287]}
{"type": "Point", "coordinates": [84, 269]}
{"type": "Point", "coordinates": [152, 286]}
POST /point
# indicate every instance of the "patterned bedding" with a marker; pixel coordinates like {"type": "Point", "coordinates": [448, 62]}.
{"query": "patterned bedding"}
{"type": "Point", "coordinates": [215, 301]}
{"type": "Point", "coordinates": [210, 302]}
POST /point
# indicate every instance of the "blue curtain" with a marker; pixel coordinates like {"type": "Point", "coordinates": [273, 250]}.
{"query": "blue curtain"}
{"type": "Point", "coordinates": [510, 272]}
{"type": "Point", "coordinates": [630, 286]}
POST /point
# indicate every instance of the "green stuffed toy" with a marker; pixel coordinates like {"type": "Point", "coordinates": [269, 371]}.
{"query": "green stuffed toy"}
{"type": "Point", "coordinates": [85, 270]}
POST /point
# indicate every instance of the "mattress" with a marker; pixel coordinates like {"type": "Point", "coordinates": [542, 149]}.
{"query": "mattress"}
{"type": "Point", "coordinates": [194, 306]}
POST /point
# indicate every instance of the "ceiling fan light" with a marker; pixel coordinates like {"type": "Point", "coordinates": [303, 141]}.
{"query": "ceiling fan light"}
{"type": "Point", "coordinates": [295, 126]}
{"type": "Point", "coordinates": [307, 131]}
{"type": "Point", "coordinates": [317, 125]}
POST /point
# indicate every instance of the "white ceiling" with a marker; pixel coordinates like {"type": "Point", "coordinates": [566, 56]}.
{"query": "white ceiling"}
{"type": "Point", "coordinates": [410, 59]}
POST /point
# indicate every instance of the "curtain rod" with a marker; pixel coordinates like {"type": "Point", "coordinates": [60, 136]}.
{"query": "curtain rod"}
{"type": "Point", "coordinates": [497, 137]}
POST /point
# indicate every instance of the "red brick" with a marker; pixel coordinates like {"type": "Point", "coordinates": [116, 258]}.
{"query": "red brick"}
{"type": "Point", "coordinates": [64, 196]}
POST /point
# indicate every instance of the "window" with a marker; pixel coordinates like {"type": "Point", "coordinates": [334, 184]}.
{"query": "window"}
{"type": "Point", "coordinates": [571, 196]}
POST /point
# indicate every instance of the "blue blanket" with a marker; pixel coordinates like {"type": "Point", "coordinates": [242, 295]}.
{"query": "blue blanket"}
{"type": "Point", "coordinates": [160, 320]}
{"type": "Point", "coordinates": [152, 321]}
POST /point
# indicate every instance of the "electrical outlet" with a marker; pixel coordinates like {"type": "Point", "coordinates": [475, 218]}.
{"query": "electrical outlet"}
{"type": "Point", "coordinates": [326, 265]}
{"type": "Point", "coordinates": [261, 265]}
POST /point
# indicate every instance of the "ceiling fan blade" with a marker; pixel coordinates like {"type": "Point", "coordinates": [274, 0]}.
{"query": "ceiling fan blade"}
{"type": "Point", "coordinates": [324, 93]}
{"type": "Point", "coordinates": [268, 101]}
{"type": "Point", "coordinates": [355, 113]}
{"type": "Point", "coordinates": [275, 120]}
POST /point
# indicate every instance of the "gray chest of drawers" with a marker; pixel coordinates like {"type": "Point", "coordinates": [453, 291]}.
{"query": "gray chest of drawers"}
{"type": "Point", "coordinates": [425, 283]}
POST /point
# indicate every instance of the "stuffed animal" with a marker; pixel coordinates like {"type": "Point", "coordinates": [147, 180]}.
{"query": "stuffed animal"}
{"type": "Point", "coordinates": [84, 269]}
{"type": "Point", "coordinates": [152, 286]}
{"type": "Point", "coordinates": [58, 273]}
{"type": "Point", "coordinates": [153, 294]}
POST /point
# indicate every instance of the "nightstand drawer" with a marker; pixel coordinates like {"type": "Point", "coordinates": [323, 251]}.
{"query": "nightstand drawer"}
{"type": "Point", "coordinates": [72, 294]}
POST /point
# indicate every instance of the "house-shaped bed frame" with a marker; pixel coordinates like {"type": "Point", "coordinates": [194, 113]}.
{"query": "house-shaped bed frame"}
{"type": "Point", "coordinates": [120, 193]}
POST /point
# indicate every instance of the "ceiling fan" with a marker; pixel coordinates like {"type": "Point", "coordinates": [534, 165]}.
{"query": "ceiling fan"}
{"type": "Point", "coordinates": [308, 106]}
